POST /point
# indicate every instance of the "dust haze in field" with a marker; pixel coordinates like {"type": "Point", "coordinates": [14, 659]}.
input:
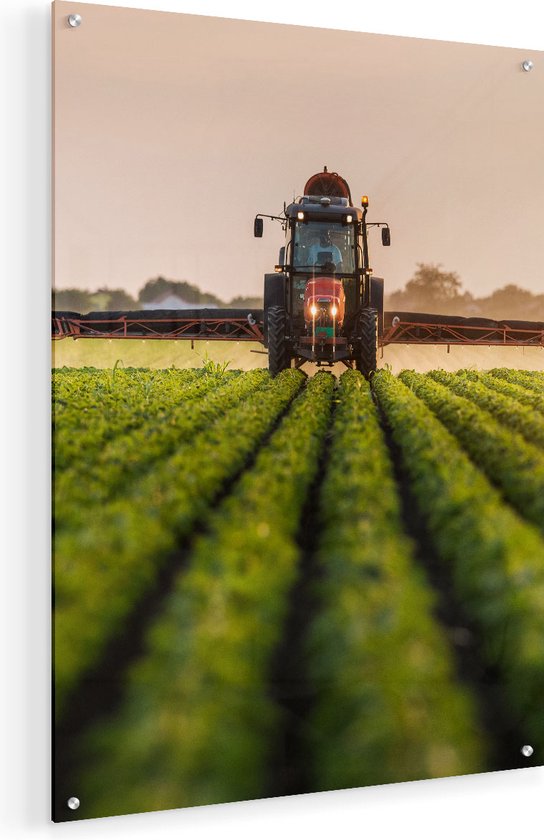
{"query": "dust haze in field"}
{"type": "Point", "coordinates": [104, 353]}
{"type": "Point", "coordinates": [248, 355]}
{"type": "Point", "coordinates": [425, 358]}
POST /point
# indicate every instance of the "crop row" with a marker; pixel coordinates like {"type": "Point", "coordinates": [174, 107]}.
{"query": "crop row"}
{"type": "Point", "coordinates": [504, 455]}
{"type": "Point", "coordinates": [531, 380]}
{"type": "Point", "coordinates": [493, 557]}
{"type": "Point", "coordinates": [388, 705]}
{"type": "Point", "coordinates": [87, 389]}
{"type": "Point", "coordinates": [516, 416]}
{"type": "Point", "coordinates": [119, 405]}
{"type": "Point", "coordinates": [200, 696]}
{"type": "Point", "coordinates": [102, 570]}
{"type": "Point", "coordinates": [508, 389]}
{"type": "Point", "coordinates": [124, 459]}
{"type": "Point", "coordinates": [204, 712]}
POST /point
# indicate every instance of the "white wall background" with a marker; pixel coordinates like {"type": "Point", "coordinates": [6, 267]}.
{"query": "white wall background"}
{"type": "Point", "coordinates": [498, 805]}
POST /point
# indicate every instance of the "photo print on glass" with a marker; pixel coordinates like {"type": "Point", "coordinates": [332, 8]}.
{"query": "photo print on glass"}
{"type": "Point", "coordinates": [298, 382]}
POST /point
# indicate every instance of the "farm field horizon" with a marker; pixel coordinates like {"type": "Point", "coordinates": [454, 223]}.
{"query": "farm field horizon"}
{"type": "Point", "coordinates": [269, 586]}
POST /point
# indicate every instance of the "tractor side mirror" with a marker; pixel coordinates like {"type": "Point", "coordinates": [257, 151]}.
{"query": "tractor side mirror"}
{"type": "Point", "coordinates": [258, 227]}
{"type": "Point", "coordinates": [281, 259]}
{"type": "Point", "coordinates": [386, 236]}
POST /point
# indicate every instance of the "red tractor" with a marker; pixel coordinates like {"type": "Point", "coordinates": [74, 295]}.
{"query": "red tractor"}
{"type": "Point", "coordinates": [322, 304]}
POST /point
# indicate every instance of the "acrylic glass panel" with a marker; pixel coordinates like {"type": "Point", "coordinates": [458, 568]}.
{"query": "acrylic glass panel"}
{"type": "Point", "coordinates": [298, 509]}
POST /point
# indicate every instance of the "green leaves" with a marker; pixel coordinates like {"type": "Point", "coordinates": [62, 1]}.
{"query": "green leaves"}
{"type": "Point", "coordinates": [509, 388]}
{"type": "Point", "coordinates": [531, 380]}
{"type": "Point", "coordinates": [503, 407]}
{"type": "Point", "coordinates": [388, 707]}
{"type": "Point", "coordinates": [91, 407]}
{"type": "Point", "coordinates": [205, 481]}
{"type": "Point", "coordinates": [504, 455]}
{"type": "Point", "coordinates": [90, 481]}
{"type": "Point", "coordinates": [200, 693]}
{"type": "Point", "coordinates": [105, 565]}
{"type": "Point", "coordinates": [496, 560]}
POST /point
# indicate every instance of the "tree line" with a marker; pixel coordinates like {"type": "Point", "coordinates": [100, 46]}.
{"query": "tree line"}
{"type": "Point", "coordinates": [430, 289]}
{"type": "Point", "coordinates": [104, 299]}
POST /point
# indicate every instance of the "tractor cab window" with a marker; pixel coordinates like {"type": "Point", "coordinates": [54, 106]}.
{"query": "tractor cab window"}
{"type": "Point", "coordinates": [324, 246]}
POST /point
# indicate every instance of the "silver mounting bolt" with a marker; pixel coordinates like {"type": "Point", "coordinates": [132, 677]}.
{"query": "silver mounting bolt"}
{"type": "Point", "coordinates": [527, 65]}
{"type": "Point", "coordinates": [74, 20]}
{"type": "Point", "coordinates": [527, 750]}
{"type": "Point", "coordinates": [73, 803]}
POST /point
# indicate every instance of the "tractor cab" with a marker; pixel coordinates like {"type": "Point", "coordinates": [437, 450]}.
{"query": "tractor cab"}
{"type": "Point", "coordinates": [321, 251]}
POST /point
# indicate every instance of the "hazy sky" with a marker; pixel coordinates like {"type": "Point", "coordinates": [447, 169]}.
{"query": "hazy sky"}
{"type": "Point", "coordinates": [173, 130]}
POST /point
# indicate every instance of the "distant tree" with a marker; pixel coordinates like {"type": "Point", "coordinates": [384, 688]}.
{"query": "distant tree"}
{"type": "Point", "coordinates": [99, 301]}
{"type": "Point", "coordinates": [512, 301]}
{"type": "Point", "coordinates": [117, 299]}
{"type": "Point", "coordinates": [190, 293]}
{"type": "Point", "coordinates": [433, 290]}
{"type": "Point", "coordinates": [154, 289]}
{"type": "Point", "coordinates": [511, 294]}
{"type": "Point", "coordinates": [245, 303]}
{"type": "Point", "coordinates": [437, 291]}
{"type": "Point", "coordinates": [72, 300]}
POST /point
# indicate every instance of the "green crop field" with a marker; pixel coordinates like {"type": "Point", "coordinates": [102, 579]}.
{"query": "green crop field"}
{"type": "Point", "coordinates": [271, 586]}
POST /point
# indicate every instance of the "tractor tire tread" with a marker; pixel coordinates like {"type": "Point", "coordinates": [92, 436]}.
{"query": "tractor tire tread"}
{"type": "Point", "coordinates": [278, 354]}
{"type": "Point", "coordinates": [367, 357]}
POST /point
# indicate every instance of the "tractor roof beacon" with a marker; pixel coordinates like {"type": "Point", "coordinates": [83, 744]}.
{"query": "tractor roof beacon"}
{"type": "Point", "coordinates": [322, 304]}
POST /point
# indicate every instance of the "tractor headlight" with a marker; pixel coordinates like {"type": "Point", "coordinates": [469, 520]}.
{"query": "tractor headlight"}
{"type": "Point", "coordinates": [300, 215]}
{"type": "Point", "coordinates": [334, 311]}
{"type": "Point", "coordinates": [313, 310]}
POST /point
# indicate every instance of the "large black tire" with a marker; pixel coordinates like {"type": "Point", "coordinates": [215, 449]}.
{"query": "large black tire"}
{"type": "Point", "coordinates": [376, 300]}
{"type": "Point", "coordinates": [275, 291]}
{"type": "Point", "coordinates": [278, 352]}
{"type": "Point", "coordinates": [367, 346]}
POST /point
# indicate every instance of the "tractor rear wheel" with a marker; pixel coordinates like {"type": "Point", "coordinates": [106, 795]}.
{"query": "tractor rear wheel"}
{"type": "Point", "coordinates": [367, 355]}
{"type": "Point", "coordinates": [278, 352]}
